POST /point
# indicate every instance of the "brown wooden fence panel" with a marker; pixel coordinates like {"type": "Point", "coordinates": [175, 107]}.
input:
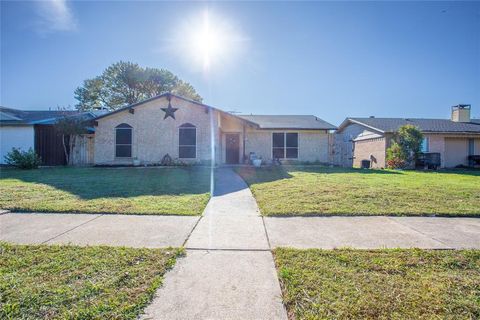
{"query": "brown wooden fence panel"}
{"type": "Point", "coordinates": [48, 145]}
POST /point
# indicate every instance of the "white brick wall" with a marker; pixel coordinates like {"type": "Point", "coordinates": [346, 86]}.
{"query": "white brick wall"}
{"type": "Point", "coordinates": [153, 136]}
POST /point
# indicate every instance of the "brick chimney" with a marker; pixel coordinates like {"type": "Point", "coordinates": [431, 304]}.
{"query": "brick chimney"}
{"type": "Point", "coordinates": [461, 113]}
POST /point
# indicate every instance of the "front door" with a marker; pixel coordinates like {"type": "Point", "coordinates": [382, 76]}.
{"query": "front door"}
{"type": "Point", "coordinates": [232, 146]}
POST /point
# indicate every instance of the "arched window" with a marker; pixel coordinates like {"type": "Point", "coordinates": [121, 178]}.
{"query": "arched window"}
{"type": "Point", "coordinates": [123, 141]}
{"type": "Point", "coordinates": [187, 145]}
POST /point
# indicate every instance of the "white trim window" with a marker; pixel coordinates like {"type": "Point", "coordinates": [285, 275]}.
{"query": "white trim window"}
{"type": "Point", "coordinates": [425, 146]}
{"type": "Point", "coordinates": [123, 141]}
{"type": "Point", "coordinates": [187, 141]}
{"type": "Point", "coordinates": [285, 145]}
{"type": "Point", "coordinates": [471, 146]}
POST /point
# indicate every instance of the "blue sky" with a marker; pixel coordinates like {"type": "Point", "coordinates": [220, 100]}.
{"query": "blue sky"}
{"type": "Point", "coordinates": [330, 59]}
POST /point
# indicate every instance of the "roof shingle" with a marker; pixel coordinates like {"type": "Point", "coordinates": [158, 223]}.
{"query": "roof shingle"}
{"type": "Point", "coordinates": [425, 125]}
{"type": "Point", "coordinates": [289, 122]}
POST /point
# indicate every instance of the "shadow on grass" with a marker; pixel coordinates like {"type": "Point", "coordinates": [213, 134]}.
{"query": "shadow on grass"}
{"type": "Point", "coordinates": [254, 175]}
{"type": "Point", "coordinates": [462, 171]}
{"type": "Point", "coordinates": [95, 183]}
{"type": "Point", "coordinates": [269, 174]}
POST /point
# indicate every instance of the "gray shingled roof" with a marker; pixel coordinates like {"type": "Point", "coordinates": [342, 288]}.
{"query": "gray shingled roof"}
{"type": "Point", "coordinates": [289, 122]}
{"type": "Point", "coordinates": [9, 116]}
{"type": "Point", "coordinates": [425, 125]}
{"type": "Point", "coordinates": [15, 116]}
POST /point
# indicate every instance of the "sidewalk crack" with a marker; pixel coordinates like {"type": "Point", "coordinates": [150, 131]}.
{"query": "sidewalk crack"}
{"type": "Point", "coordinates": [266, 233]}
{"type": "Point", "coordinates": [422, 233]}
{"type": "Point", "coordinates": [191, 231]}
{"type": "Point", "coordinates": [81, 224]}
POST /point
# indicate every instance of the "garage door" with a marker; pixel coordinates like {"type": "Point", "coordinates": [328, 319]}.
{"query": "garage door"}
{"type": "Point", "coordinates": [456, 152]}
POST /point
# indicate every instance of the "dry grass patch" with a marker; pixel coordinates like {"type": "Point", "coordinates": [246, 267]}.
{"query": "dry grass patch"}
{"type": "Point", "coordinates": [68, 282]}
{"type": "Point", "coordinates": [380, 284]}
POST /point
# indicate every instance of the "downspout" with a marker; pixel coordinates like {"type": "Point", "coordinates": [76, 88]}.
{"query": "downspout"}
{"type": "Point", "coordinates": [243, 159]}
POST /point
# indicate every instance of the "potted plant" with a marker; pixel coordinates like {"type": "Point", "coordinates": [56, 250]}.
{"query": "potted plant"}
{"type": "Point", "coordinates": [257, 162]}
{"type": "Point", "coordinates": [136, 162]}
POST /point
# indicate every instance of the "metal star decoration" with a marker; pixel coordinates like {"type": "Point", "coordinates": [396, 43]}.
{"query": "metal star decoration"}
{"type": "Point", "coordinates": [169, 111]}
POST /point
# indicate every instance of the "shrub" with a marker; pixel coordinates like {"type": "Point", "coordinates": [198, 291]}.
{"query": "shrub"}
{"type": "Point", "coordinates": [410, 140]}
{"type": "Point", "coordinates": [23, 159]}
{"type": "Point", "coordinates": [396, 157]}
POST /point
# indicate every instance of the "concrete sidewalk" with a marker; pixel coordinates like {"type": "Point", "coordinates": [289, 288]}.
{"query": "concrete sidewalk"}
{"type": "Point", "coordinates": [94, 229]}
{"type": "Point", "coordinates": [374, 232]}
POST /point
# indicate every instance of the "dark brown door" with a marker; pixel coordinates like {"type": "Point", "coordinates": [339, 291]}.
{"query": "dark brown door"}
{"type": "Point", "coordinates": [232, 148]}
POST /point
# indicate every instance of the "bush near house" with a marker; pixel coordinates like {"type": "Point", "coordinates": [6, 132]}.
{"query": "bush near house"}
{"type": "Point", "coordinates": [23, 159]}
{"type": "Point", "coordinates": [69, 282]}
{"type": "Point", "coordinates": [396, 157]}
{"type": "Point", "coordinates": [405, 148]}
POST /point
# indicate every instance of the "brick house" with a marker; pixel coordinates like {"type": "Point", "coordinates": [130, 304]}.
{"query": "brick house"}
{"type": "Point", "coordinates": [455, 139]}
{"type": "Point", "coordinates": [193, 132]}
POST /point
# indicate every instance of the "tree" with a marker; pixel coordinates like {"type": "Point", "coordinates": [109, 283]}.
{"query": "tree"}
{"type": "Point", "coordinates": [406, 146]}
{"type": "Point", "coordinates": [125, 83]}
{"type": "Point", "coordinates": [71, 127]}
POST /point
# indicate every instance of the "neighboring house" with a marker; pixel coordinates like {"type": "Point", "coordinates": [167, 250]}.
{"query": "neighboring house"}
{"type": "Point", "coordinates": [193, 132]}
{"type": "Point", "coordinates": [35, 129]}
{"type": "Point", "coordinates": [455, 139]}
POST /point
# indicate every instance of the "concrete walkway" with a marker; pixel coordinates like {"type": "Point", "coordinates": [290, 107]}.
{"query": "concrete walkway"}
{"type": "Point", "coordinates": [228, 272]}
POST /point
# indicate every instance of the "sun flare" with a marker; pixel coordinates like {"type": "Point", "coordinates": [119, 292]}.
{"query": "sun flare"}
{"type": "Point", "coordinates": [209, 41]}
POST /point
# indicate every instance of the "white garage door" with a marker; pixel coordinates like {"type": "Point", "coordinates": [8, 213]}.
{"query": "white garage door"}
{"type": "Point", "coordinates": [456, 152]}
{"type": "Point", "coordinates": [18, 137]}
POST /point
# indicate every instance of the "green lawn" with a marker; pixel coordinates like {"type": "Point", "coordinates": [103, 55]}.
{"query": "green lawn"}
{"type": "Point", "coordinates": [304, 190]}
{"type": "Point", "coordinates": [47, 282]}
{"type": "Point", "coordinates": [380, 284]}
{"type": "Point", "coordinates": [182, 191]}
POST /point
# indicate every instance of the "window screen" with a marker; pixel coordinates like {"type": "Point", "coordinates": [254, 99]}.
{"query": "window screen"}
{"type": "Point", "coordinates": [187, 146]}
{"type": "Point", "coordinates": [123, 141]}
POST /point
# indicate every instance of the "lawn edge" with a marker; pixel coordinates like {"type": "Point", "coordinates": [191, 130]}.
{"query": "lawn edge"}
{"type": "Point", "coordinates": [102, 213]}
{"type": "Point", "coordinates": [324, 215]}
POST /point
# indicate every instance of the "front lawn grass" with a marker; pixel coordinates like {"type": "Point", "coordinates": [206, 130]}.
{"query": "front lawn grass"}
{"type": "Point", "coordinates": [380, 284]}
{"type": "Point", "coordinates": [304, 190]}
{"type": "Point", "coordinates": [181, 191]}
{"type": "Point", "coordinates": [68, 282]}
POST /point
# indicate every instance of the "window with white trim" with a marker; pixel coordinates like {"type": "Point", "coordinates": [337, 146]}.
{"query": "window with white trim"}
{"type": "Point", "coordinates": [187, 145]}
{"type": "Point", "coordinates": [123, 141]}
{"type": "Point", "coordinates": [285, 145]}
{"type": "Point", "coordinates": [471, 147]}
{"type": "Point", "coordinates": [425, 145]}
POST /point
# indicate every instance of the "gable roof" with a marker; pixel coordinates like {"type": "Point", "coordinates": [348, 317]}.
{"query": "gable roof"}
{"type": "Point", "coordinates": [302, 122]}
{"type": "Point", "coordinates": [389, 125]}
{"type": "Point", "coordinates": [167, 94]}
